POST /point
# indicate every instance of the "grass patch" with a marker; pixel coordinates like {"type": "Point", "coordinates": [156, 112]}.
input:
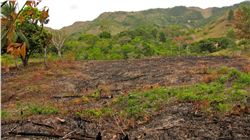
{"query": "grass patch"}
{"type": "Point", "coordinates": [95, 112]}
{"type": "Point", "coordinates": [224, 107]}
{"type": "Point", "coordinates": [4, 114]}
{"type": "Point", "coordinates": [41, 109]}
{"type": "Point", "coordinates": [28, 109]}
{"type": "Point", "coordinates": [95, 95]}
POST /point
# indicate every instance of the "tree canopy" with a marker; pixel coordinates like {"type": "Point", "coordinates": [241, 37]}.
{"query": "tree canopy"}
{"type": "Point", "coordinates": [20, 28]}
{"type": "Point", "coordinates": [242, 22]}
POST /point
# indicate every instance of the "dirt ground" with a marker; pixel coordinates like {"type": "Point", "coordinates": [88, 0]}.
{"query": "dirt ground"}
{"type": "Point", "coordinates": [64, 82]}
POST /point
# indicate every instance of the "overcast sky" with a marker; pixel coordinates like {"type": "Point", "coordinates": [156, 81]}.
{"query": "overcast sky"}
{"type": "Point", "coordinates": [66, 12]}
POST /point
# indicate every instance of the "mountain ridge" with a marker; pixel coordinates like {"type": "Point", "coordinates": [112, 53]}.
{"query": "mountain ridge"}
{"type": "Point", "coordinates": [115, 22]}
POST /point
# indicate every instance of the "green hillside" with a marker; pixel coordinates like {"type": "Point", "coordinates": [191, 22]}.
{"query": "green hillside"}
{"type": "Point", "coordinates": [154, 32]}
{"type": "Point", "coordinates": [115, 22]}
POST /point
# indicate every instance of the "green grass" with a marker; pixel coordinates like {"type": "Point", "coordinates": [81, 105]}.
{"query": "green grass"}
{"type": "Point", "coordinates": [41, 109]}
{"type": "Point", "coordinates": [4, 114]}
{"type": "Point", "coordinates": [222, 94]}
{"type": "Point", "coordinates": [28, 110]}
{"type": "Point", "coordinates": [95, 112]}
{"type": "Point", "coordinates": [95, 94]}
{"type": "Point", "coordinates": [8, 60]}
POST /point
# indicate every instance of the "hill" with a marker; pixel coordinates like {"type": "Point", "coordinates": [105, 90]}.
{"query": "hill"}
{"type": "Point", "coordinates": [115, 22]}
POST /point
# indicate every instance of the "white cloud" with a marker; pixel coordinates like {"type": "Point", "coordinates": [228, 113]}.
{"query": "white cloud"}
{"type": "Point", "coordinates": [61, 13]}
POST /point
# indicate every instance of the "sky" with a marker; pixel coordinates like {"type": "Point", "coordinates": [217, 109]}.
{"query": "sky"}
{"type": "Point", "coordinates": [66, 12]}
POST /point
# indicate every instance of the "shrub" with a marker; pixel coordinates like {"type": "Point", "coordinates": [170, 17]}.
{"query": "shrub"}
{"type": "Point", "coordinates": [213, 44]}
{"type": "Point", "coordinates": [105, 35]}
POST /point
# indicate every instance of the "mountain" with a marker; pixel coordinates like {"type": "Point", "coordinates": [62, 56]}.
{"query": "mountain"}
{"type": "Point", "coordinates": [186, 17]}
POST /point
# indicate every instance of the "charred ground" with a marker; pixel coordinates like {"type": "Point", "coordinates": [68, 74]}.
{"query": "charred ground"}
{"type": "Point", "coordinates": [50, 103]}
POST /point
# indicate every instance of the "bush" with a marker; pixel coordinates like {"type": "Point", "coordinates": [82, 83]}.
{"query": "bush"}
{"type": "Point", "coordinates": [105, 35]}
{"type": "Point", "coordinates": [213, 44]}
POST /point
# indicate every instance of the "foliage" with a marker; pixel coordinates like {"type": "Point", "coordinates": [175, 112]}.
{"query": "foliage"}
{"type": "Point", "coordinates": [230, 16]}
{"type": "Point", "coordinates": [39, 109]}
{"type": "Point", "coordinates": [4, 114]}
{"type": "Point", "coordinates": [105, 35]}
{"type": "Point", "coordinates": [212, 45]}
{"type": "Point", "coordinates": [13, 37]}
{"type": "Point", "coordinates": [125, 45]}
{"type": "Point", "coordinates": [38, 38]}
{"type": "Point", "coordinates": [231, 33]}
{"type": "Point", "coordinates": [242, 22]}
{"type": "Point", "coordinates": [162, 37]}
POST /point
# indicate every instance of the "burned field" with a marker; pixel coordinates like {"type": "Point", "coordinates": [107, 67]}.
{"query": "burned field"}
{"type": "Point", "coordinates": [79, 99]}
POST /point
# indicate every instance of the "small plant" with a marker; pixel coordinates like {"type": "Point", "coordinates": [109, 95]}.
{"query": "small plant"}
{"type": "Point", "coordinates": [96, 94]}
{"type": "Point", "coordinates": [95, 112]}
{"type": "Point", "coordinates": [4, 114]}
{"type": "Point", "coordinates": [188, 96]}
{"type": "Point", "coordinates": [223, 70]}
{"type": "Point", "coordinates": [224, 107]}
{"type": "Point", "coordinates": [85, 99]}
{"type": "Point", "coordinates": [40, 109]}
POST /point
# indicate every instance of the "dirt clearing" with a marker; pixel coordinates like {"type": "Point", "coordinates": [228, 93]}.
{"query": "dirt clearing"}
{"type": "Point", "coordinates": [40, 103]}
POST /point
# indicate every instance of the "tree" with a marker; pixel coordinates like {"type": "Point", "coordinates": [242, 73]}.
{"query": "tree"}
{"type": "Point", "coordinates": [154, 33]}
{"type": "Point", "coordinates": [39, 40]}
{"type": "Point", "coordinates": [231, 33]}
{"type": "Point", "coordinates": [105, 35]}
{"type": "Point", "coordinates": [230, 16]}
{"type": "Point", "coordinates": [242, 22]}
{"type": "Point", "coordinates": [162, 37]}
{"type": "Point", "coordinates": [58, 39]}
{"type": "Point", "coordinates": [13, 37]}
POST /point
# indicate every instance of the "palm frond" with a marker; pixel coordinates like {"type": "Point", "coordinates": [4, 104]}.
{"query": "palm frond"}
{"type": "Point", "coordinates": [3, 33]}
{"type": "Point", "coordinates": [3, 3]}
{"type": "Point", "coordinates": [23, 38]}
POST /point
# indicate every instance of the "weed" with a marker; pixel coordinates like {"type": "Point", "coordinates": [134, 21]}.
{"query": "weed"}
{"type": "Point", "coordinates": [40, 109]}
{"type": "Point", "coordinates": [4, 114]}
{"type": "Point", "coordinates": [95, 112]}
{"type": "Point", "coordinates": [85, 99]}
{"type": "Point", "coordinates": [223, 70]}
{"type": "Point", "coordinates": [96, 94]}
{"type": "Point", "coordinates": [224, 107]}
{"type": "Point", "coordinates": [188, 96]}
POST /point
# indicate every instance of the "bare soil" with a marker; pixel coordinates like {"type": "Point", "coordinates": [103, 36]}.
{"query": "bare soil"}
{"type": "Point", "coordinates": [64, 83]}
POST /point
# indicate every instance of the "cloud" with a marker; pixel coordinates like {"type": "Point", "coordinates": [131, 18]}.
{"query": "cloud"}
{"type": "Point", "coordinates": [73, 7]}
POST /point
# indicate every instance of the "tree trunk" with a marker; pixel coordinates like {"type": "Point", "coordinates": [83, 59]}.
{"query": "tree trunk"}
{"type": "Point", "coordinates": [25, 60]}
{"type": "Point", "coordinates": [45, 57]}
{"type": "Point", "coordinates": [16, 61]}
{"type": "Point", "coordinates": [59, 53]}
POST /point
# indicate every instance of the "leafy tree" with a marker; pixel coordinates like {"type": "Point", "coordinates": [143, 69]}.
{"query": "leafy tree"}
{"type": "Point", "coordinates": [162, 37]}
{"type": "Point", "coordinates": [214, 44]}
{"type": "Point", "coordinates": [230, 16]}
{"type": "Point", "coordinates": [88, 38]}
{"type": "Point", "coordinates": [39, 40]}
{"type": "Point", "coordinates": [105, 35]}
{"type": "Point", "coordinates": [147, 50]}
{"type": "Point", "coordinates": [154, 33]}
{"type": "Point", "coordinates": [13, 38]}
{"type": "Point", "coordinates": [242, 22]}
{"type": "Point", "coordinates": [231, 33]}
